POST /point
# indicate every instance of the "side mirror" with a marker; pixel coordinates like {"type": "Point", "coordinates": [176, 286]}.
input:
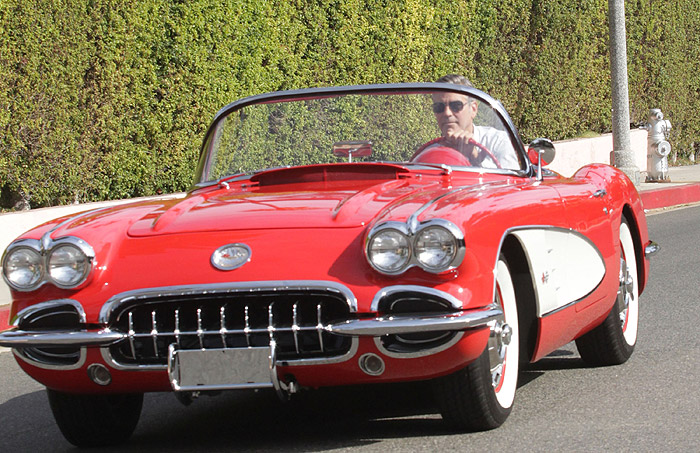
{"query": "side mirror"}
{"type": "Point", "coordinates": [541, 153]}
{"type": "Point", "coordinates": [352, 148]}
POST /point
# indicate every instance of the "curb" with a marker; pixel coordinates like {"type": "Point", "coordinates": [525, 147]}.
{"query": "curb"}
{"type": "Point", "coordinates": [667, 197]}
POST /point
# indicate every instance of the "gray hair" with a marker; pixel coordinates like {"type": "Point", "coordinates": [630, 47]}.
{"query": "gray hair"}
{"type": "Point", "coordinates": [455, 79]}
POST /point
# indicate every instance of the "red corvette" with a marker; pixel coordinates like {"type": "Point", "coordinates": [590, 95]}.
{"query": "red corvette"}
{"type": "Point", "coordinates": [334, 236]}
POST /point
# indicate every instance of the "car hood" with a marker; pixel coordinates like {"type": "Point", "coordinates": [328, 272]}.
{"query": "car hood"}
{"type": "Point", "coordinates": [286, 198]}
{"type": "Point", "coordinates": [317, 205]}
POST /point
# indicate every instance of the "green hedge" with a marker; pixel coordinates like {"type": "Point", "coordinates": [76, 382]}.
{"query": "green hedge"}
{"type": "Point", "coordinates": [105, 99]}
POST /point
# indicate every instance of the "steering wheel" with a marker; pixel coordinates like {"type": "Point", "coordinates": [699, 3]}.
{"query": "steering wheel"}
{"type": "Point", "coordinates": [484, 152]}
{"type": "Point", "coordinates": [448, 155]}
{"type": "Point", "coordinates": [442, 155]}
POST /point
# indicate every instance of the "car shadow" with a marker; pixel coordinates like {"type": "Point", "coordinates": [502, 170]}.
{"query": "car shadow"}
{"type": "Point", "coordinates": [26, 422]}
{"type": "Point", "coordinates": [318, 420]}
{"type": "Point", "coordinates": [561, 359]}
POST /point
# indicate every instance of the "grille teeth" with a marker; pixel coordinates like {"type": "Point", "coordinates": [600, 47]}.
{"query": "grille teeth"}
{"type": "Point", "coordinates": [295, 322]}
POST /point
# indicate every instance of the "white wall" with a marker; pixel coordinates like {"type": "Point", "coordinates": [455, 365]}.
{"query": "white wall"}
{"type": "Point", "coordinates": [574, 154]}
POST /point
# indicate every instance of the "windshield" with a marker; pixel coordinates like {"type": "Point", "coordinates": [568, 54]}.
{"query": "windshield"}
{"type": "Point", "coordinates": [423, 128]}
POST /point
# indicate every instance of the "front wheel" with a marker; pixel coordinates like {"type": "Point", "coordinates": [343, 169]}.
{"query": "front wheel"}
{"type": "Point", "coordinates": [480, 396]}
{"type": "Point", "coordinates": [612, 342]}
{"type": "Point", "coordinates": [95, 420]}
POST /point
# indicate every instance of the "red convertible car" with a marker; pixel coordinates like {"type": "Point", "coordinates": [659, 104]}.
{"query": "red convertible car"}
{"type": "Point", "coordinates": [334, 236]}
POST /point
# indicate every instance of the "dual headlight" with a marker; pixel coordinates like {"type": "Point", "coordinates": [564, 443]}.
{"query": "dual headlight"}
{"type": "Point", "coordinates": [436, 246]}
{"type": "Point", "coordinates": [65, 262]}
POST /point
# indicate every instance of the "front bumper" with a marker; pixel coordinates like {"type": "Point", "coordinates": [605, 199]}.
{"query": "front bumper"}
{"type": "Point", "coordinates": [312, 331]}
{"type": "Point", "coordinates": [376, 327]}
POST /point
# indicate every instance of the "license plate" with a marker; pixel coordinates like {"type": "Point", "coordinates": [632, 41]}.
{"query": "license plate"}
{"type": "Point", "coordinates": [219, 369]}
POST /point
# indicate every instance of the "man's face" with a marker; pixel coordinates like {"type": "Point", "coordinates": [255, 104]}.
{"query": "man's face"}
{"type": "Point", "coordinates": [452, 121]}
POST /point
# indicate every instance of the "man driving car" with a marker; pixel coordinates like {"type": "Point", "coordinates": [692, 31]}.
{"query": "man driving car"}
{"type": "Point", "coordinates": [483, 146]}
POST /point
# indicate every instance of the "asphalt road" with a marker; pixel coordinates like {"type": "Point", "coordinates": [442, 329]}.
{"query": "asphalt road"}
{"type": "Point", "coordinates": [648, 404]}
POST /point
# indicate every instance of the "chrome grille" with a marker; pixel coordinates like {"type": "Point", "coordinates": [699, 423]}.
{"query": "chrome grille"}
{"type": "Point", "coordinates": [407, 301]}
{"type": "Point", "coordinates": [294, 319]}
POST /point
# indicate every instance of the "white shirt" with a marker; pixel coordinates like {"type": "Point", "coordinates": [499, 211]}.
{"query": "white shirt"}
{"type": "Point", "coordinates": [498, 142]}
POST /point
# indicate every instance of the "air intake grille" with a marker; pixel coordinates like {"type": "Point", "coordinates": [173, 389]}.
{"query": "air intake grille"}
{"type": "Point", "coordinates": [293, 318]}
{"type": "Point", "coordinates": [415, 302]}
{"type": "Point", "coordinates": [55, 315]}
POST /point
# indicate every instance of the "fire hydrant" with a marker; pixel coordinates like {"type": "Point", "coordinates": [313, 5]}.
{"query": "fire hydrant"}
{"type": "Point", "coordinates": [658, 147]}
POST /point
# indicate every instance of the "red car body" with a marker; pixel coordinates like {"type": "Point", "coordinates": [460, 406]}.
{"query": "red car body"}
{"type": "Point", "coordinates": [307, 231]}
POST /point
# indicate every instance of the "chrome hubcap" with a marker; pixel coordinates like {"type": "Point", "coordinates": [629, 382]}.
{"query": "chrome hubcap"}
{"type": "Point", "coordinates": [501, 335]}
{"type": "Point", "coordinates": [625, 292]}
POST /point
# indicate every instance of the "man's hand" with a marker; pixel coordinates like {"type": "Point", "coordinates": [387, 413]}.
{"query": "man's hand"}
{"type": "Point", "coordinates": [459, 140]}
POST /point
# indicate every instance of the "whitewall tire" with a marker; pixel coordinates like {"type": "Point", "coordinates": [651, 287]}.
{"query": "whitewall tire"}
{"type": "Point", "coordinates": [480, 396]}
{"type": "Point", "coordinates": [612, 342]}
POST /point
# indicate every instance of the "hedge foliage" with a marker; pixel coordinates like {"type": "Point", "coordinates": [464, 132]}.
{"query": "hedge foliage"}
{"type": "Point", "coordinates": [105, 99]}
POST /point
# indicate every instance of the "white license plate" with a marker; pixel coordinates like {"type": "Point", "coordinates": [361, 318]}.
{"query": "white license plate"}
{"type": "Point", "coordinates": [219, 369]}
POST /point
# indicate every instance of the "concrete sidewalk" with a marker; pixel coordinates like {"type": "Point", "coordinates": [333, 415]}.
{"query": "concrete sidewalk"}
{"type": "Point", "coordinates": [683, 188]}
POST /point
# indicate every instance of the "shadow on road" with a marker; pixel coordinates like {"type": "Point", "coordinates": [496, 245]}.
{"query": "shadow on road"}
{"type": "Point", "coordinates": [319, 420]}
{"type": "Point", "coordinates": [561, 359]}
{"type": "Point", "coordinates": [312, 421]}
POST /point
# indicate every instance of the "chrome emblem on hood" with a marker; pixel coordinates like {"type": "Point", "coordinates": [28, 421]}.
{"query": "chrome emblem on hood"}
{"type": "Point", "coordinates": [230, 256]}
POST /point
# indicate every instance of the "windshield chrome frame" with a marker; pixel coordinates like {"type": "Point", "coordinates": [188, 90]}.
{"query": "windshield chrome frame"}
{"type": "Point", "coordinates": [393, 88]}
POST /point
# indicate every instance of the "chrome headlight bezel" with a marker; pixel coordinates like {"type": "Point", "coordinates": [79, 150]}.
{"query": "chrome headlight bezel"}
{"type": "Point", "coordinates": [452, 234]}
{"type": "Point", "coordinates": [435, 248]}
{"type": "Point", "coordinates": [16, 248]}
{"type": "Point", "coordinates": [401, 233]}
{"type": "Point", "coordinates": [83, 258]}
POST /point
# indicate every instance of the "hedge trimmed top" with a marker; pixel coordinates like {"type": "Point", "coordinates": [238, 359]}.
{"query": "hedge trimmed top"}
{"type": "Point", "coordinates": [110, 99]}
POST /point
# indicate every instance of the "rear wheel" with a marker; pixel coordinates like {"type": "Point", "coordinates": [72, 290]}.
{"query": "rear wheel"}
{"type": "Point", "coordinates": [480, 396]}
{"type": "Point", "coordinates": [95, 420]}
{"type": "Point", "coordinates": [612, 343]}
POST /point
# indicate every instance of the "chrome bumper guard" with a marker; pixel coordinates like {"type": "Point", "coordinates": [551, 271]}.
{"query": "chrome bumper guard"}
{"type": "Point", "coordinates": [651, 249]}
{"type": "Point", "coordinates": [405, 324]}
{"type": "Point", "coordinates": [376, 327]}
{"type": "Point", "coordinates": [24, 339]}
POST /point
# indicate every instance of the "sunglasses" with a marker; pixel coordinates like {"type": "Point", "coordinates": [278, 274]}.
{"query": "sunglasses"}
{"type": "Point", "coordinates": [455, 106]}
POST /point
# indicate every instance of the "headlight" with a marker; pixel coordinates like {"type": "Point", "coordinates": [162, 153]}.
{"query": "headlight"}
{"type": "Point", "coordinates": [29, 263]}
{"type": "Point", "coordinates": [389, 251]}
{"type": "Point", "coordinates": [68, 266]}
{"type": "Point", "coordinates": [435, 248]}
{"type": "Point", "coordinates": [23, 268]}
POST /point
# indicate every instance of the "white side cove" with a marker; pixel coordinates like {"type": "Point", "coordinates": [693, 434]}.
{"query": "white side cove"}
{"type": "Point", "coordinates": [566, 266]}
